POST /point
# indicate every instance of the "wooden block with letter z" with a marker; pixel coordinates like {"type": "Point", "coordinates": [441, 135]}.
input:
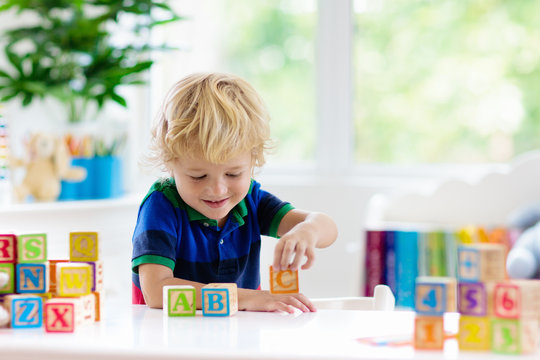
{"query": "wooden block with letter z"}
{"type": "Point", "coordinates": [482, 262]}
{"type": "Point", "coordinates": [32, 248]}
{"type": "Point", "coordinates": [83, 246]}
{"type": "Point", "coordinates": [435, 295]}
{"type": "Point", "coordinates": [8, 248]}
{"type": "Point", "coordinates": [26, 311]}
{"type": "Point", "coordinates": [73, 279]}
{"type": "Point", "coordinates": [429, 332]}
{"type": "Point", "coordinates": [284, 281]}
{"type": "Point", "coordinates": [179, 300]}
{"type": "Point", "coordinates": [219, 299]}
{"type": "Point", "coordinates": [63, 314]}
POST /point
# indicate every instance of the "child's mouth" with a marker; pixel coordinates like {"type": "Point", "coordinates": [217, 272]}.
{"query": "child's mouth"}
{"type": "Point", "coordinates": [215, 204]}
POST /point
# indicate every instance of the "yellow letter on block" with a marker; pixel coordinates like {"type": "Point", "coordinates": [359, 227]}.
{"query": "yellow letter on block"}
{"type": "Point", "coordinates": [283, 282]}
{"type": "Point", "coordinates": [83, 246]}
{"type": "Point", "coordinates": [73, 279]}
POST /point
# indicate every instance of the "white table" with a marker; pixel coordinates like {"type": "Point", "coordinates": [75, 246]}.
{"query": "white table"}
{"type": "Point", "coordinates": [136, 332]}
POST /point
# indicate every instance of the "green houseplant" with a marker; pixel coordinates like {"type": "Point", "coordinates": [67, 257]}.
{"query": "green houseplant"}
{"type": "Point", "coordinates": [70, 53]}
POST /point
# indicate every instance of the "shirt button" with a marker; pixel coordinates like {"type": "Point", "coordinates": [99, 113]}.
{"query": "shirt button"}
{"type": "Point", "coordinates": [221, 241]}
{"type": "Point", "coordinates": [206, 224]}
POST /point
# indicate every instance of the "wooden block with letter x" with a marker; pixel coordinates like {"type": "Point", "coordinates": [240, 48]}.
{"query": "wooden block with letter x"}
{"type": "Point", "coordinates": [83, 246]}
{"type": "Point", "coordinates": [284, 281]}
{"type": "Point", "coordinates": [63, 314]}
{"type": "Point", "coordinates": [179, 300]}
{"type": "Point", "coordinates": [219, 299]}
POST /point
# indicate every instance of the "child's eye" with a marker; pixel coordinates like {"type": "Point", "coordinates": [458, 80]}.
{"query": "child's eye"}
{"type": "Point", "coordinates": [234, 175]}
{"type": "Point", "coordinates": [198, 177]}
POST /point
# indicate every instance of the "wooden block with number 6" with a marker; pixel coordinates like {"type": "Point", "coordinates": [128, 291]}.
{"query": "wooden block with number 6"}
{"type": "Point", "coordinates": [284, 281]}
{"type": "Point", "coordinates": [429, 332]}
{"type": "Point", "coordinates": [179, 300]}
{"type": "Point", "coordinates": [517, 299]}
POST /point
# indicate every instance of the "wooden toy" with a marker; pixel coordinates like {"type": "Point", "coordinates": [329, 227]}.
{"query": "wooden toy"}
{"type": "Point", "coordinates": [219, 299]}
{"type": "Point", "coordinates": [179, 300]}
{"type": "Point", "coordinates": [83, 246]}
{"type": "Point", "coordinates": [52, 274]}
{"type": "Point", "coordinates": [429, 332]}
{"type": "Point", "coordinates": [99, 304]}
{"type": "Point", "coordinates": [512, 336]}
{"type": "Point", "coordinates": [73, 279]}
{"type": "Point", "coordinates": [88, 308]}
{"type": "Point", "coordinates": [284, 281]}
{"type": "Point", "coordinates": [8, 248]}
{"type": "Point", "coordinates": [474, 333]}
{"type": "Point", "coordinates": [9, 270]}
{"type": "Point", "coordinates": [97, 274]}
{"type": "Point", "coordinates": [32, 278]}
{"type": "Point", "coordinates": [62, 314]}
{"type": "Point", "coordinates": [472, 299]}
{"type": "Point", "coordinates": [26, 310]}
{"type": "Point", "coordinates": [435, 295]}
{"type": "Point", "coordinates": [481, 262]}
{"type": "Point", "coordinates": [32, 248]}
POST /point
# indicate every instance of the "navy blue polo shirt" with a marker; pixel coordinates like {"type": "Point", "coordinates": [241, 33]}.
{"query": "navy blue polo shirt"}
{"type": "Point", "coordinates": [171, 233]}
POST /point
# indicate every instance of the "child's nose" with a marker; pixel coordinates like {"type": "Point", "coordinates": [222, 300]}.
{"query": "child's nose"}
{"type": "Point", "coordinates": [218, 187]}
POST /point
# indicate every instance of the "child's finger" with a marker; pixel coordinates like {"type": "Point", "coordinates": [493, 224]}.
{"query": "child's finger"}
{"type": "Point", "coordinates": [278, 251]}
{"type": "Point", "coordinates": [310, 254]}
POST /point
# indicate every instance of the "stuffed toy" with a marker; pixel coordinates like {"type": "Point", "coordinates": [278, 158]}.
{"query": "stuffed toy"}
{"type": "Point", "coordinates": [49, 162]}
{"type": "Point", "coordinates": [4, 315]}
{"type": "Point", "coordinates": [523, 261]}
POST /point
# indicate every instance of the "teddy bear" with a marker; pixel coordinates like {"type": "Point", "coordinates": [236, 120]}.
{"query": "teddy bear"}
{"type": "Point", "coordinates": [49, 162]}
{"type": "Point", "coordinates": [523, 261]}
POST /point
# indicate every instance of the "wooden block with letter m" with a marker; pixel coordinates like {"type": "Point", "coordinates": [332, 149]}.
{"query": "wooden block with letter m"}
{"type": "Point", "coordinates": [179, 300]}
{"type": "Point", "coordinates": [219, 299]}
{"type": "Point", "coordinates": [284, 281]}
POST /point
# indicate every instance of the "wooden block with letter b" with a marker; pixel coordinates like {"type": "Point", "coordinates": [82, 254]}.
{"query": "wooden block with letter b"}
{"type": "Point", "coordinates": [83, 246]}
{"type": "Point", "coordinates": [219, 299]}
{"type": "Point", "coordinates": [429, 332]}
{"type": "Point", "coordinates": [284, 281]}
{"type": "Point", "coordinates": [435, 295]}
{"type": "Point", "coordinates": [179, 300]}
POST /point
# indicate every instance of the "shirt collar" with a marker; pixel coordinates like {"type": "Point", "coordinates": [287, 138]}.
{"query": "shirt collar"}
{"type": "Point", "coordinates": [237, 214]}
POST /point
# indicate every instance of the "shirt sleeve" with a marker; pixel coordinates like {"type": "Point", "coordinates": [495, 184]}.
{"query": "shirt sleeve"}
{"type": "Point", "coordinates": [270, 210]}
{"type": "Point", "coordinates": [154, 239]}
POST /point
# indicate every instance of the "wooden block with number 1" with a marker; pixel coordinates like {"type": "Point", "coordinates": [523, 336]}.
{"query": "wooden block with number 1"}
{"type": "Point", "coordinates": [284, 281]}
{"type": "Point", "coordinates": [429, 332]}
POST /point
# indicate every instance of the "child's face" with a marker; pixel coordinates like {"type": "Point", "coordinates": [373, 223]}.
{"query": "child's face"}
{"type": "Point", "coordinates": [213, 189]}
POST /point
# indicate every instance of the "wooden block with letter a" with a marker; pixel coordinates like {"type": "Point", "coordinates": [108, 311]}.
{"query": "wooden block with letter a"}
{"type": "Point", "coordinates": [474, 333]}
{"type": "Point", "coordinates": [435, 295]}
{"type": "Point", "coordinates": [26, 311]}
{"type": "Point", "coordinates": [219, 299]}
{"type": "Point", "coordinates": [284, 281]}
{"type": "Point", "coordinates": [83, 246]}
{"type": "Point", "coordinates": [429, 332]}
{"type": "Point", "coordinates": [73, 279]}
{"type": "Point", "coordinates": [63, 314]}
{"type": "Point", "coordinates": [514, 336]}
{"type": "Point", "coordinates": [179, 300]}
{"type": "Point", "coordinates": [8, 248]}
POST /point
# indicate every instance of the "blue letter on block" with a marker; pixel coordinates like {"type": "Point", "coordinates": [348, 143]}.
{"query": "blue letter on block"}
{"type": "Point", "coordinates": [215, 302]}
{"type": "Point", "coordinates": [27, 312]}
{"type": "Point", "coordinates": [31, 278]}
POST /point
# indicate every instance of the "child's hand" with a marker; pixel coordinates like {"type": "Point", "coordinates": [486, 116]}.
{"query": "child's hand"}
{"type": "Point", "coordinates": [296, 244]}
{"type": "Point", "coordinates": [260, 300]}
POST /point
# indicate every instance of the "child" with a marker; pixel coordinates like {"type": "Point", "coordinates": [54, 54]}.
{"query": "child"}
{"type": "Point", "coordinates": [204, 223]}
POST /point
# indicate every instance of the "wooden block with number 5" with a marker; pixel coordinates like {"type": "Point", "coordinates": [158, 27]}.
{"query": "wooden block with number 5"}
{"type": "Point", "coordinates": [435, 295]}
{"type": "Point", "coordinates": [429, 332]}
{"type": "Point", "coordinates": [284, 281]}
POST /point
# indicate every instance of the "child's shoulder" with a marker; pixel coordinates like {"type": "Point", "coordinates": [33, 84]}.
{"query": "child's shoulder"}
{"type": "Point", "coordinates": [167, 187]}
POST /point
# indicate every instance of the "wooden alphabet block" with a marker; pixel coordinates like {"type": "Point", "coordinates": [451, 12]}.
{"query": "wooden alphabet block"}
{"type": "Point", "coordinates": [97, 274]}
{"type": "Point", "coordinates": [513, 336]}
{"type": "Point", "coordinates": [517, 295]}
{"type": "Point", "coordinates": [474, 333]}
{"type": "Point", "coordinates": [63, 315]}
{"type": "Point", "coordinates": [483, 262]}
{"type": "Point", "coordinates": [100, 300]}
{"type": "Point", "coordinates": [472, 299]}
{"type": "Point", "coordinates": [88, 308]}
{"type": "Point", "coordinates": [435, 295]}
{"type": "Point", "coordinates": [26, 311]}
{"type": "Point", "coordinates": [284, 281]}
{"type": "Point", "coordinates": [83, 246]}
{"type": "Point", "coordinates": [179, 300]}
{"type": "Point", "coordinates": [219, 299]}
{"type": "Point", "coordinates": [52, 274]}
{"type": "Point", "coordinates": [73, 279]}
{"type": "Point", "coordinates": [8, 248]}
{"type": "Point", "coordinates": [32, 278]}
{"type": "Point", "coordinates": [9, 286]}
{"type": "Point", "coordinates": [32, 248]}
{"type": "Point", "coordinates": [429, 332]}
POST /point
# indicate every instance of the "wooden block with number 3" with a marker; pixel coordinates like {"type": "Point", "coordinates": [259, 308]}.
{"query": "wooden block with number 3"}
{"type": "Point", "coordinates": [513, 336]}
{"type": "Point", "coordinates": [284, 281]}
{"type": "Point", "coordinates": [429, 332]}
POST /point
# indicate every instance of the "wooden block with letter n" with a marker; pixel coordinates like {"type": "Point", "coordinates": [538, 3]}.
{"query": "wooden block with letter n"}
{"type": "Point", "coordinates": [284, 281]}
{"type": "Point", "coordinates": [73, 279]}
{"type": "Point", "coordinates": [32, 278]}
{"type": "Point", "coordinates": [63, 314]}
{"type": "Point", "coordinates": [32, 248]}
{"type": "Point", "coordinates": [26, 311]}
{"type": "Point", "coordinates": [9, 270]}
{"type": "Point", "coordinates": [514, 336]}
{"type": "Point", "coordinates": [8, 248]}
{"type": "Point", "coordinates": [435, 295]}
{"type": "Point", "coordinates": [429, 332]}
{"type": "Point", "coordinates": [482, 262]}
{"type": "Point", "coordinates": [474, 333]}
{"type": "Point", "coordinates": [219, 299]}
{"type": "Point", "coordinates": [179, 300]}
{"type": "Point", "coordinates": [83, 246]}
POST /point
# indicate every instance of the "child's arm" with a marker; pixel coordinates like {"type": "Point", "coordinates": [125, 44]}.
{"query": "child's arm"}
{"type": "Point", "coordinates": [300, 233]}
{"type": "Point", "coordinates": [154, 276]}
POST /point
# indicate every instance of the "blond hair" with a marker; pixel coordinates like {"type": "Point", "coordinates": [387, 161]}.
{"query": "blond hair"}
{"type": "Point", "coordinates": [214, 115]}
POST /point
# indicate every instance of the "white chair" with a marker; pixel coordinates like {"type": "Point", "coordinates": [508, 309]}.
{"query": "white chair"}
{"type": "Point", "coordinates": [383, 299]}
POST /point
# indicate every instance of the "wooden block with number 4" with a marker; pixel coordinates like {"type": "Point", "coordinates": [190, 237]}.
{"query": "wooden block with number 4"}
{"type": "Point", "coordinates": [284, 281]}
{"type": "Point", "coordinates": [429, 332]}
{"type": "Point", "coordinates": [435, 295]}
